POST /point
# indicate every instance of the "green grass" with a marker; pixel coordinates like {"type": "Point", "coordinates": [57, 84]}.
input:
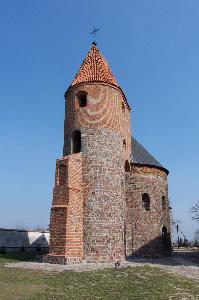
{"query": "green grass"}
{"type": "Point", "coordinates": [16, 257]}
{"type": "Point", "coordinates": [130, 283]}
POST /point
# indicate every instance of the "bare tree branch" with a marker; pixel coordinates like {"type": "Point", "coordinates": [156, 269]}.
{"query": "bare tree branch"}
{"type": "Point", "coordinates": [195, 211]}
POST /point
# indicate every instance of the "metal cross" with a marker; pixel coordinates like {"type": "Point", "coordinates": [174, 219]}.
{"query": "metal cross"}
{"type": "Point", "coordinates": [95, 30]}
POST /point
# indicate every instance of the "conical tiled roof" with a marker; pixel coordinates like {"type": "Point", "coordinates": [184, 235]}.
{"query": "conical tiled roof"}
{"type": "Point", "coordinates": [94, 68]}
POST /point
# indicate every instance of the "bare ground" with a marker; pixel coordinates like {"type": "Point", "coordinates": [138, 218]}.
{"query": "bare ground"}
{"type": "Point", "coordinates": [184, 263]}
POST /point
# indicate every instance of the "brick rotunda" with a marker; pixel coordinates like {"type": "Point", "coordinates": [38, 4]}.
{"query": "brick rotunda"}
{"type": "Point", "coordinates": [110, 199]}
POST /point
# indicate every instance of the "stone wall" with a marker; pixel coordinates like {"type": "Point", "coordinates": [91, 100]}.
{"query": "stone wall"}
{"type": "Point", "coordinates": [97, 211]}
{"type": "Point", "coordinates": [144, 227]}
{"type": "Point", "coordinates": [104, 125]}
{"type": "Point", "coordinates": [104, 204]}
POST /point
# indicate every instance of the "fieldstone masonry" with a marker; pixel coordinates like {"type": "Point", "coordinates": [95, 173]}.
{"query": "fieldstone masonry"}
{"type": "Point", "coordinates": [97, 210]}
{"type": "Point", "coordinates": [104, 206]}
{"type": "Point", "coordinates": [144, 228]}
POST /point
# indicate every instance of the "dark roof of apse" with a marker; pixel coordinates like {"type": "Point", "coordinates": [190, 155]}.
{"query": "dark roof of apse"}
{"type": "Point", "coordinates": [142, 157]}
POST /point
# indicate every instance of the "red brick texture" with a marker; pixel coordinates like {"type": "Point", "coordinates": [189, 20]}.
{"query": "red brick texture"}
{"type": "Point", "coordinates": [104, 125]}
{"type": "Point", "coordinates": [97, 210]}
{"type": "Point", "coordinates": [66, 223]}
{"type": "Point", "coordinates": [94, 68]}
{"type": "Point", "coordinates": [106, 108]}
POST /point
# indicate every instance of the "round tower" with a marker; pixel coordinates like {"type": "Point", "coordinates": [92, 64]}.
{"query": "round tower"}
{"type": "Point", "coordinates": [107, 204]}
{"type": "Point", "coordinates": [97, 125]}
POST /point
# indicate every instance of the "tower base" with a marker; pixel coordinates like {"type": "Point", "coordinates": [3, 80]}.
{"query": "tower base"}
{"type": "Point", "coordinates": [61, 259]}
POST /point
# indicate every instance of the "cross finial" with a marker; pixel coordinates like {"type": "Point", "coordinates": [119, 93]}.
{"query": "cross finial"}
{"type": "Point", "coordinates": [95, 30]}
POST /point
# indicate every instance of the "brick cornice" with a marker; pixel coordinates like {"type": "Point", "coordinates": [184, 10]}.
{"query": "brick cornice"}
{"type": "Point", "coordinates": [150, 167]}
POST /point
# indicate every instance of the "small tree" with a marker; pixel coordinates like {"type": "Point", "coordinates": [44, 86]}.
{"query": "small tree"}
{"type": "Point", "coordinates": [196, 235]}
{"type": "Point", "coordinates": [196, 238]}
{"type": "Point", "coordinates": [195, 212]}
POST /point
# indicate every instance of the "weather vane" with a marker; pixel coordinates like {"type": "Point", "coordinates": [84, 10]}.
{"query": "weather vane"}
{"type": "Point", "coordinates": [95, 30]}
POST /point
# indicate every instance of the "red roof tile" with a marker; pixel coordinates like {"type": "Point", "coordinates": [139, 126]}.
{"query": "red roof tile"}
{"type": "Point", "coordinates": [94, 68]}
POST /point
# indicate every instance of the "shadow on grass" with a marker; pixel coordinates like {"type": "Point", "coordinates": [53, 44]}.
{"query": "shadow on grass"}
{"type": "Point", "coordinates": [17, 257]}
{"type": "Point", "coordinates": [178, 258]}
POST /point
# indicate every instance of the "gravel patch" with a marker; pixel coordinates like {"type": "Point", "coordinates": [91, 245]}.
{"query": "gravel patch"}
{"type": "Point", "coordinates": [185, 271]}
{"type": "Point", "coordinates": [83, 267]}
{"type": "Point", "coordinates": [173, 265]}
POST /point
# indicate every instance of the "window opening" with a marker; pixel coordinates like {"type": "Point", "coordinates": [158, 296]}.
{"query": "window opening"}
{"type": "Point", "coordinates": [82, 99]}
{"type": "Point", "coordinates": [146, 202]}
{"type": "Point", "coordinates": [127, 166]}
{"type": "Point", "coordinates": [163, 203]}
{"type": "Point", "coordinates": [76, 141]}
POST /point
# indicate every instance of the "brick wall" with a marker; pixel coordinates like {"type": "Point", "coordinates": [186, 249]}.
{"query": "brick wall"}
{"type": "Point", "coordinates": [97, 211]}
{"type": "Point", "coordinates": [66, 223]}
{"type": "Point", "coordinates": [104, 124]}
{"type": "Point", "coordinates": [104, 110]}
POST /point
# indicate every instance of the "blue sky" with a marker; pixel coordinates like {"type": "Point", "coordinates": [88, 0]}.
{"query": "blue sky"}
{"type": "Point", "coordinates": [152, 47]}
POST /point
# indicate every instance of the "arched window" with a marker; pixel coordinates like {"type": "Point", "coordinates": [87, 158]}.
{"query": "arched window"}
{"type": "Point", "coordinates": [146, 201]}
{"type": "Point", "coordinates": [163, 203]}
{"type": "Point", "coordinates": [76, 141]}
{"type": "Point", "coordinates": [164, 231]}
{"type": "Point", "coordinates": [123, 109]}
{"type": "Point", "coordinates": [127, 166]}
{"type": "Point", "coordinates": [124, 144]}
{"type": "Point", "coordinates": [62, 175]}
{"type": "Point", "coordinates": [166, 242]}
{"type": "Point", "coordinates": [82, 99]}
